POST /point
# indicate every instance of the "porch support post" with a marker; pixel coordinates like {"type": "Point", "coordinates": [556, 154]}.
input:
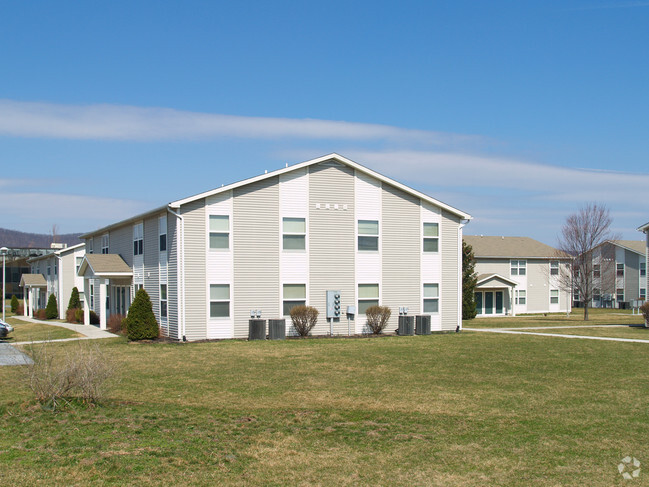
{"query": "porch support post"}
{"type": "Point", "coordinates": [102, 303]}
{"type": "Point", "coordinates": [31, 302]}
{"type": "Point", "coordinates": [86, 305]}
{"type": "Point", "coordinates": [26, 302]}
{"type": "Point", "coordinates": [511, 300]}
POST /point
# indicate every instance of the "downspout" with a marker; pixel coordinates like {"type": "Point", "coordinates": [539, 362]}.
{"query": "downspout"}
{"type": "Point", "coordinates": [460, 273]}
{"type": "Point", "coordinates": [180, 271]}
{"type": "Point", "coordinates": [59, 277]}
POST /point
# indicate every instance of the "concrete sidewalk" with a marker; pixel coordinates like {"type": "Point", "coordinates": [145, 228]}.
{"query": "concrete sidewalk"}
{"type": "Point", "coordinates": [511, 331]}
{"type": "Point", "coordinates": [89, 332]}
{"type": "Point", "coordinates": [10, 356]}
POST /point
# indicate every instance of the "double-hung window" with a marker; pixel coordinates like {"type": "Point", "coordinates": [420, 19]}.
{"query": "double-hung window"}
{"type": "Point", "coordinates": [431, 237]}
{"type": "Point", "coordinates": [79, 261]}
{"type": "Point", "coordinates": [597, 270]}
{"type": "Point", "coordinates": [368, 295]}
{"type": "Point", "coordinates": [368, 235]}
{"type": "Point", "coordinates": [162, 232]}
{"type": "Point", "coordinates": [294, 295]}
{"type": "Point", "coordinates": [619, 294]}
{"type": "Point", "coordinates": [219, 232]}
{"type": "Point", "coordinates": [643, 269]}
{"type": "Point", "coordinates": [521, 296]}
{"type": "Point", "coordinates": [219, 300]}
{"type": "Point", "coordinates": [596, 294]}
{"type": "Point", "coordinates": [620, 270]}
{"type": "Point", "coordinates": [294, 233]}
{"type": "Point", "coordinates": [554, 296]}
{"type": "Point", "coordinates": [431, 298]}
{"type": "Point", "coordinates": [643, 293]}
{"type": "Point", "coordinates": [575, 295]}
{"type": "Point", "coordinates": [554, 268]}
{"type": "Point", "coordinates": [138, 239]}
{"type": "Point", "coordinates": [163, 300]}
{"type": "Point", "coordinates": [104, 243]}
{"type": "Point", "coordinates": [518, 267]}
{"type": "Point", "coordinates": [89, 245]}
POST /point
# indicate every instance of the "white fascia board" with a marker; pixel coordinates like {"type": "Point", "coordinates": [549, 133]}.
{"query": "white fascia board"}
{"type": "Point", "coordinates": [342, 160]}
{"type": "Point", "coordinates": [644, 228]}
{"type": "Point", "coordinates": [121, 223]}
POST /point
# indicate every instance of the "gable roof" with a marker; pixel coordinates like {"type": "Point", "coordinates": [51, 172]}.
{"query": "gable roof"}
{"type": "Point", "coordinates": [105, 265]}
{"type": "Point", "coordinates": [330, 157]}
{"type": "Point", "coordinates": [637, 246]}
{"type": "Point", "coordinates": [507, 247]}
{"type": "Point", "coordinates": [485, 278]}
{"type": "Point", "coordinates": [58, 252]}
{"type": "Point", "coordinates": [644, 228]}
{"type": "Point", "coordinates": [32, 280]}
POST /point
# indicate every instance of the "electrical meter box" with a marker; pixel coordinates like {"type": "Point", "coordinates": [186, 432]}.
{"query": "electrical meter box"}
{"type": "Point", "coordinates": [333, 304]}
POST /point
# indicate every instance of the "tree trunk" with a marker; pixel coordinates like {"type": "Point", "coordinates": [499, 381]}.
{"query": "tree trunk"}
{"type": "Point", "coordinates": [585, 312]}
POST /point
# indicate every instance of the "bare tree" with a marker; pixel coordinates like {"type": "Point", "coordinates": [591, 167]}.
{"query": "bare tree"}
{"type": "Point", "coordinates": [55, 232]}
{"type": "Point", "coordinates": [582, 237]}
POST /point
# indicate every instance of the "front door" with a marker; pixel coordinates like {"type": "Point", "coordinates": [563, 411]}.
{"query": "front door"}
{"type": "Point", "coordinates": [499, 302]}
{"type": "Point", "coordinates": [489, 303]}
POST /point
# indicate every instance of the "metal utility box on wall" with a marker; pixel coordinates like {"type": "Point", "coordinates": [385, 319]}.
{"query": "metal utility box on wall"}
{"type": "Point", "coordinates": [333, 304]}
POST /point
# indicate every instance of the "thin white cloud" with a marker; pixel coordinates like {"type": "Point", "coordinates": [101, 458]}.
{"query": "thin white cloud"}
{"type": "Point", "coordinates": [116, 122]}
{"type": "Point", "coordinates": [37, 212]}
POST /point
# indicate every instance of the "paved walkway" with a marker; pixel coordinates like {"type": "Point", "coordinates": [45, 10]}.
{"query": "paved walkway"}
{"type": "Point", "coordinates": [517, 331]}
{"type": "Point", "coordinates": [11, 356]}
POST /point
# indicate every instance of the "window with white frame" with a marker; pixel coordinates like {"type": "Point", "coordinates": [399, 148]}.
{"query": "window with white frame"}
{"type": "Point", "coordinates": [368, 295]}
{"type": "Point", "coordinates": [79, 261]}
{"type": "Point", "coordinates": [431, 298]}
{"type": "Point", "coordinates": [619, 294]}
{"type": "Point", "coordinates": [597, 295]}
{"type": "Point", "coordinates": [575, 295]}
{"type": "Point", "coordinates": [596, 270]}
{"type": "Point", "coordinates": [431, 237]}
{"type": "Point", "coordinates": [294, 295]}
{"type": "Point", "coordinates": [293, 233]}
{"type": "Point", "coordinates": [643, 293]}
{"type": "Point", "coordinates": [643, 269]}
{"type": "Point", "coordinates": [92, 296]}
{"type": "Point", "coordinates": [138, 239]}
{"type": "Point", "coordinates": [163, 300]}
{"type": "Point", "coordinates": [104, 243]}
{"type": "Point", "coordinates": [219, 232]}
{"type": "Point", "coordinates": [138, 287]}
{"type": "Point", "coordinates": [554, 296]}
{"type": "Point", "coordinates": [620, 270]}
{"type": "Point", "coordinates": [554, 268]}
{"type": "Point", "coordinates": [56, 268]}
{"type": "Point", "coordinates": [521, 296]}
{"type": "Point", "coordinates": [89, 245]}
{"type": "Point", "coordinates": [219, 300]}
{"type": "Point", "coordinates": [162, 233]}
{"type": "Point", "coordinates": [48, 270]}
{"type": "Point", "coordinates": [518, 267]}
{"type": "Point", "coordinates": [368, 235]}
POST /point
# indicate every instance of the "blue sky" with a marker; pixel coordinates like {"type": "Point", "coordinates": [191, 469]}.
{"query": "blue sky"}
{"type": "Point", "coordinates": [515, 112]}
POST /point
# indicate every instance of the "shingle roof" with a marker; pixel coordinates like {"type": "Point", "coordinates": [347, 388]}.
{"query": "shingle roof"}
{"type": "Point", "coordinates": [32, 280]}
{"type": "Point", "coordinates": [638, 246]}
{"type": "Point", "coordinates": [105, 264]}
{"type": "Point", "coordinates": [506, 247]}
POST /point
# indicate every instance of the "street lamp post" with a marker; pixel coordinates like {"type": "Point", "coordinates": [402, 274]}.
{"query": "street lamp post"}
{"type": "Point", "coordinates": [3, 251]}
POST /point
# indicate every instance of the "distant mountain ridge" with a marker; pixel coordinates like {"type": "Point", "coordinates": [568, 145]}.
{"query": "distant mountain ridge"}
{"type": "Point", "coordinates": [14, 238]}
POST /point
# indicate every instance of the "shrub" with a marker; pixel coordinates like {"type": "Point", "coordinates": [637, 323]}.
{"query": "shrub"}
{"type": "Point", "coordinates": [377, 318]}
{"type": "Point", "coordinates": [71, 316]}
{"type": "Point", "coordinates": [94, 319]}
{"type": "Point", "coordinates": [140, 321]}
{"type": "Point", "coordinates": [304, 318]}
{"type": "Point", "coordinates": [78, 315]}
{"type": "Point", "coordinates": [52, 309]}
{"type": "Point", "coordinates": [75, 302]}
{"type": "Point", "coordinates": [40, 314]}
{"type": "Point", "coordinates": [20, 310]}
{"type": "Point", "coordinates": [14, 303]}
{"type": "Point", "coordinates": [82, 372]}
{"type": "Point", "coordinates": [645, 312]}
{"type": "Point", "coordinates": [116, 324]}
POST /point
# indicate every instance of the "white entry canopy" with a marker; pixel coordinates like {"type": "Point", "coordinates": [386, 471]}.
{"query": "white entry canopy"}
{"type": "Point", "coordinates": [33, 280]}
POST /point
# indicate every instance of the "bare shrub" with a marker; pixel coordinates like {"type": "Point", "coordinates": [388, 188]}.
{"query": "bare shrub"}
{"type": "Point", "coordinates": [304, 318]}
{"type": "Point", "coordinates": [20, 310]}
{"type": "Point", "coordinates": [40, 314]}
{"type": "Point", "coordinates": [116, 324]}
{"type": "Point", "coordinates": [81, 372]}
{"type": "Point", "coordinates": [71, 316]}
{"type": "Point", "coordinates": [377, 318]}
{"type": "Point", "coordinates": [645, 312]}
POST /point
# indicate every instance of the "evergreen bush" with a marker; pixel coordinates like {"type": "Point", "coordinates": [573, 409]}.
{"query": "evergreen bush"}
{"type": "Point", "coordinates": [52, 308]}
{"type": "Point", "coordinates": [140, 321]}
{"type": "Point", "coordinates": [75, 302]}
{"type": "Point", "coordinates": [14, 303]}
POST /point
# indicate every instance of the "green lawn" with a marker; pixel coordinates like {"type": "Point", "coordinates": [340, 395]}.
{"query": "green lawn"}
{"type": "Point", "coordinates": [467, 409]}
{"type": "Point", "coordinates": [576, 318]}
{"type": "Point", "coordinates": [25, 331]}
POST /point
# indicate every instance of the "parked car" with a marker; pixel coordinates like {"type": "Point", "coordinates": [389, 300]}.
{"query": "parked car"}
{"type": "Point", "coordinates": [5, 329]}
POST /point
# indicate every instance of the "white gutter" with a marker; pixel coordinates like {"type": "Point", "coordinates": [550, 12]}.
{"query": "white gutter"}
{"type": "Point", "coordinates": [460, 273]}
{"type": "Point", "coordinates": [180, 272]}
